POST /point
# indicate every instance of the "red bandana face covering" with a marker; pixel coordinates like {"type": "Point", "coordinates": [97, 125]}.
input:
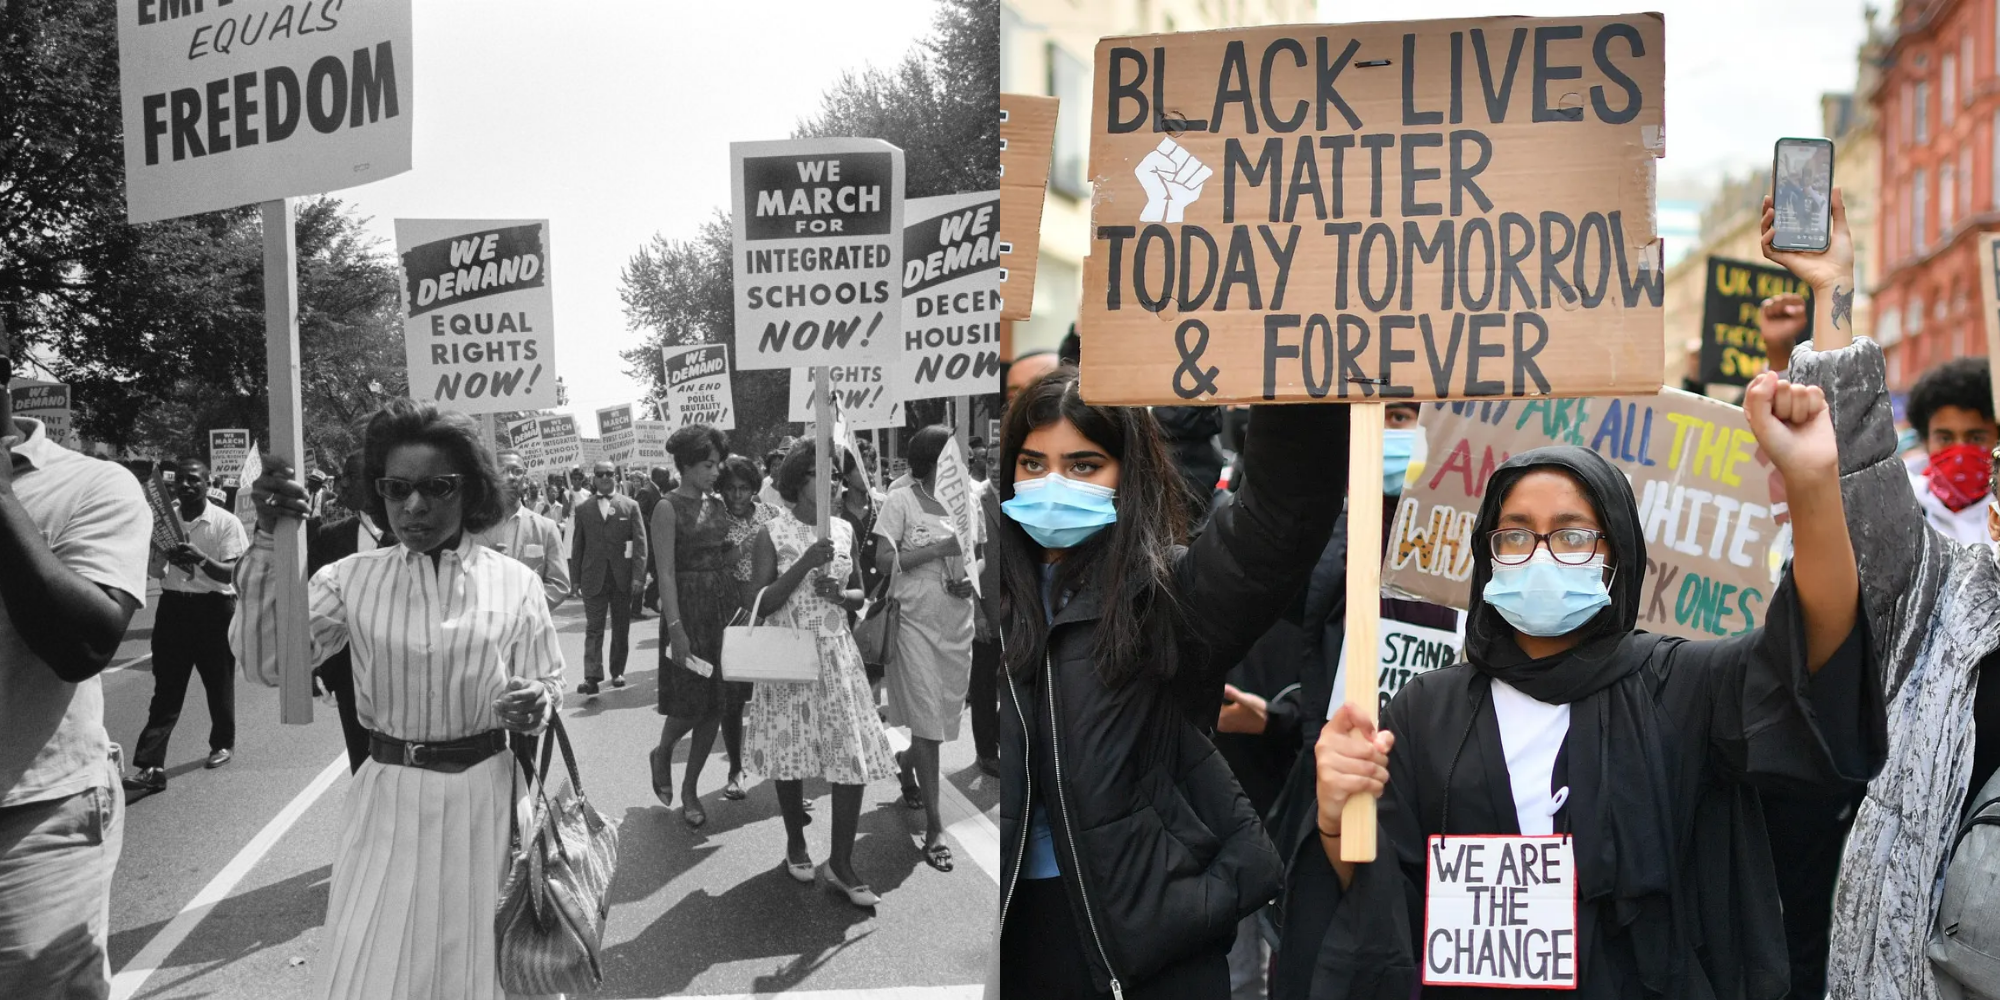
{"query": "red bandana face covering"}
{"type": "Point", "coordinates": [1959, 475]}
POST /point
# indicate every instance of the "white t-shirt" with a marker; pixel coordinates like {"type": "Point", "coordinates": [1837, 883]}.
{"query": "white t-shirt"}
{"type": "Point", "coordinates": [94, 518]}
{"type": "Point", "coordinates": [1531, 734]}
{"type": "Point", "coordinates": [1967, 526]}
{"type": "Point", "coordinates": [218, 535]}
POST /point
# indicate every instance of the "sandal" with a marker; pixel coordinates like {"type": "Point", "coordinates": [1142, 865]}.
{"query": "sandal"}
{"type": "Point", "coordinates": [913, 797]}
{"type": "Point", "coordinates": [938, 856]}
{"type": "Point", "coordinates": [663, 784]}
{"type": "Point", "coordinates": [692, 812]}
{"type": "Point", "coordinates": [734, 790]}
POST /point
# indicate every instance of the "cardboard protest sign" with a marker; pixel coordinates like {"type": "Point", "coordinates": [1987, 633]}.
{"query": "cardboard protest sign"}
{"type": "Point", "coordinates": [614, 427]}
{"type": "Point", "coordinates": [951, 297]}
{"type": "Point", "coordinates": [650, 442]}
{"type": "Point", "coordinates": [48, 402]}
{"type": "Point", "coordinates": [698, 389]}
{"type": "Point", "coordinates": [561, 447]}
{"type": "Point", "coordinates": [1732, 349]}
{"type": "Point", "coordinates": [591, 451]}
{"type": "Point", "coordinates": [961, 507]}
{"type": "Point", "coordinates": [1417, 210]}
{"type": "Point", "coordinates": [478, 313]}
{"type": "Point", "coordinates": [1500, 910]}
{"type": "Point", "coordinates": [1704, 501]}
{"type": "Point", "coordinates": [226, 451]}
{"type": "Point", "coordinates": [861, 391]}
{"type": "Point", "coordinates": [1403, 651]}
{"type": "Point", "coordinates": [1988, 249]}
{"type": "Point", "coordinates": [1027, 140]}
{"type": "Point", "coordinates": [252, 100]}
{"type": "Point", "coordinates": [818, 245]}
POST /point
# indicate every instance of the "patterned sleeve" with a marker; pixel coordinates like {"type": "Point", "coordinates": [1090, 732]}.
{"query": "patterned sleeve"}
{"type": "Point", "coordinates": [253, 632]}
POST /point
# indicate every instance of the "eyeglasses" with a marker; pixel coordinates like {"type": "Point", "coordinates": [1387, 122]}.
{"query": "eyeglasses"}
{"type": "Point", "coordinates": [1570, 546]}
{"type": "Point", "coordinates": [607, 475]}
{"type": "Point", "coordinates": [434, 488]}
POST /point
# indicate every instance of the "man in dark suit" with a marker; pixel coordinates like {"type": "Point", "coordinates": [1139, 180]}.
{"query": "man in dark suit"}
{"type": "Point", "coordinates": [607, 555]}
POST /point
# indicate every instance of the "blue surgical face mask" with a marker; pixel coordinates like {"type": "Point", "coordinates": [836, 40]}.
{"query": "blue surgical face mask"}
{"type": "Point", "coordinates": [1059, 513]}
{"type": "Point", "coordinates": [1399, 445]}
{"type": "Point", "coordinates": [1543, 597]}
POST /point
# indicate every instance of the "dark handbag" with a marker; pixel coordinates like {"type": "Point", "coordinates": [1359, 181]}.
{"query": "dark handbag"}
{"type": "Point", "coordinates": [558, 890]}
{"type": "Point", "coordinates": [875, 636]}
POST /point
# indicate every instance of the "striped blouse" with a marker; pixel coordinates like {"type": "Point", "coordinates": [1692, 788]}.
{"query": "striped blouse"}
{"type": "Point", "coordinates": [433, 646]}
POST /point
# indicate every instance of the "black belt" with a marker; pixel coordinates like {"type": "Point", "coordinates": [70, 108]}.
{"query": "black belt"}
{"type": "Point", "coordinates": [450, 756]}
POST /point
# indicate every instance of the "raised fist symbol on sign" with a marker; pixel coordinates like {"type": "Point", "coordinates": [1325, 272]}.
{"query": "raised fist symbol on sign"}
{"type": "Point", "coordinates": [1172, 179]}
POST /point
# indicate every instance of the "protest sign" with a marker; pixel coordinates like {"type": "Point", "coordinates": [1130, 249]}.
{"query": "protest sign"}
{"type": "Point", "coordinates": [247, 473]}
{"type": "Point", "coordinates": [1989, 288]}
{"type": "Point", "coordinates": [525, 435]}
{"type": "Point", "coordinates": [561, 449]}
{"type": "Point", "coordinates": [1403, 651]}
{"type": "Point", "coordinates": [167, 528]}
{"type": "Point", "coordinates": [1732, 348]}
{"type": "Point", "coordinates": [226, 451]}
{"type": "Point", "coordinates": [818, 227]}
{"type": "Point", "coordinates": [1704, 501]}
{"type": "Point", "coordinates": [1027, 140]}
{"type": "Point", "coordinates": [951, 297]}
{"type": "Point", "coordinates": [861, 390]}
{"type": "Point", "coordinates": [1383, 211]}
{"type": "Point", "coordinates": [614, 427]}
{"type": "Point", "coordinates": [591, 451]}
{"type": "Point", "coordinates": [478, 313]}
{"type": "Point", "coordinates": [961, 507]}
{"type": "Point", "coordinates": [650, 442]}
{"type": "Point", "coordinates": [47, 402]}
{"type": "Point", "coordinates": [1500, 910]}
{"type": "Point", "coordinates": [698, 386]}
{"type": "Point", "coordinates": [255, 100]}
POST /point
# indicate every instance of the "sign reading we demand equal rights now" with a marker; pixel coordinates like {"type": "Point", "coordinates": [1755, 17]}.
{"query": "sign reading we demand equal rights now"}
{"type": "Point", "coordinates": [1416, 210]}
{"type": "Point", "coordinates": [1704, 501]}
{"type": "Point", "coordinates": [241, 101]}
{"type": "Point", "coordinates": [478, 313]}
{"type": "Point", "coordinates": [818, 245]}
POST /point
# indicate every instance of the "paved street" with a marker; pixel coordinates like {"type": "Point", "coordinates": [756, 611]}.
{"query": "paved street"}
{"type": "Point", "coordinates": [223, 883]}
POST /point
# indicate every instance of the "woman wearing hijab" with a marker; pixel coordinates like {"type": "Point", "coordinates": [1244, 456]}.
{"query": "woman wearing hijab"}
{"type": "Point", "coordinates": [1129, 851]}
{"type": "Point", "coordinates": [1646, 750]}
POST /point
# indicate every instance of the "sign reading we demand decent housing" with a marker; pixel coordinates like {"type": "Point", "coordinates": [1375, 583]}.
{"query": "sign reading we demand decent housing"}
{"type": "Point", "coordinates": [1418, 210]}
{"type": "Point", "coordinates": [478, 313]}
{"type": "Point", "coordinates": [230, 103]}
{"type": "Point", "coordinates": [818, 228]}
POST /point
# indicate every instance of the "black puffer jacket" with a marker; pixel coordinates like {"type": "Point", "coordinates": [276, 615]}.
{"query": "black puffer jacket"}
{"type": "Point", "coordinates": [1160, 851]}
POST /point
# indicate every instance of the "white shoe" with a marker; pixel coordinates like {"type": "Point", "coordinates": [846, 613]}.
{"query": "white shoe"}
{"type": "Point", "coordinates": [801, 872]}
{"type": "Point", "coordinates": [859, 895]}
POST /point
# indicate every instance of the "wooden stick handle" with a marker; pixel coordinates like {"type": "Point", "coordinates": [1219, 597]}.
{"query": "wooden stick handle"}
{"type": "Point", "coordinates": [281, 349]}
{"type": "Point", "coordinates": [1364, 604]}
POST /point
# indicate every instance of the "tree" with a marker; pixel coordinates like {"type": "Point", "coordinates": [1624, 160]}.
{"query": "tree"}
{"type": "Point", "coordinates": [940, 105]}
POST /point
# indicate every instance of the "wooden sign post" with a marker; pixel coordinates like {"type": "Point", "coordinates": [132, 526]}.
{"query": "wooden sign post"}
{"type": "Point", "coordinates": [288, 545]}
{"type": "Point", "coordinates": [1261, 236]}
{"type": "Point", "coordinates": [823, 449]}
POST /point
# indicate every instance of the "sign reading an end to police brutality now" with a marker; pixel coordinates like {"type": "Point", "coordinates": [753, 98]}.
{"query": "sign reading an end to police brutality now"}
{"type": "Point", "coordinates": [818, 246]}
{"type": "Point", "coordinates": [478, 313]}
{"type": "Point", "coordinates": [1416, 210]}
{"type": "Point", "coordinates": [951, 297]}
{"type": "Point", "coordinates": [698, 386]}
{"type": "Point", "coordinates": [240, 101]}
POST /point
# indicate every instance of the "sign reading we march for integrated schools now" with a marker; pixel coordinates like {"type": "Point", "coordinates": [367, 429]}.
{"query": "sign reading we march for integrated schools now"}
{"type": "Point", "coordinates": [226, 451]}
{"type": "Point", "coordinates": [478, 314]}
{"type": "Point", "coordinates": [698, 386]}
{"type": "Point", "coordinates": [240, 101]}
{"type": "Point", "coordinates": [951, 297]}
{"type": "Point", "coordinates": [1704, 501]}
{"type": "Point", "coordinates": [818, 228]}
{"type": "Point", "coordinates": [1416, 210]}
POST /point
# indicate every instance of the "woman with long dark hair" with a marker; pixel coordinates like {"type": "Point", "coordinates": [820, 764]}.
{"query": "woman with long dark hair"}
{"type": "Point", "coordinates": [453, 648]}
{"type": "Point", "coordinates": [693, 559]}
{"type": "Point", "coordinates": [1129, 853]}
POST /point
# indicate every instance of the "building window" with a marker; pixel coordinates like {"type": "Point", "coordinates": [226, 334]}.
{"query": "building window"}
{"type": "Point", "coordinates": [1965, 182]}
{"type": "Point", "coordinates": [1888, 327]}
{"type": "Point", "coordinates": [1947, 196]}
{"type": "Point", "coordinates": [1948, 88]}
{"type": "Point", "coordinates": [1861, 266]}
{"type": "Point", "coordinates": [1919, 214]}
{"type": "Point", "coordinates": [1010, 34]}
{"type": "Point", "coordinates": [1909, 119]}
{"type": "Point", "coordinates": [1965, 71]}
{"type": "Point", "coordinates": [1922, 129]}
{"type": "Point", "coordinates": [1913, 316]}
{"type": "Point", "coordinates": [1069, 82]}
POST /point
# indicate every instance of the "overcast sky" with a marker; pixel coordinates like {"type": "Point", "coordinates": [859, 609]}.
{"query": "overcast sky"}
{"type": "Point", "coordinates": [613, 121]}
{"type": "Point", "coordinates": [1740, 73]}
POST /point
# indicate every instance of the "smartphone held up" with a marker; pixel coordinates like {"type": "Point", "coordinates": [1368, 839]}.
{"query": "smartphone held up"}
{"type": "Point", "coordinates": [1802, 194]}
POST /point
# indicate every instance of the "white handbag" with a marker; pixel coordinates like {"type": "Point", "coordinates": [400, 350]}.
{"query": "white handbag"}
{"type": "Point", "coordinates": [768, 654]}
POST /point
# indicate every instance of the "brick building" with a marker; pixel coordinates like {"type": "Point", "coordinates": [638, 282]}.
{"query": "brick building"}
{"type": "Point", "coordinates": [1937, 102]}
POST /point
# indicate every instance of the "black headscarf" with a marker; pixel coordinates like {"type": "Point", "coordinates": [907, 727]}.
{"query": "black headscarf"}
{"type": "Point", "coordinates": [1620, 762]}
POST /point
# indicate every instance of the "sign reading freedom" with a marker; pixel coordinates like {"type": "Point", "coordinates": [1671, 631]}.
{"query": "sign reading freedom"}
{"type": "Point", "coordinates": [1704, 501]}
{"type": "Point", "coordinates": [1418, 210]}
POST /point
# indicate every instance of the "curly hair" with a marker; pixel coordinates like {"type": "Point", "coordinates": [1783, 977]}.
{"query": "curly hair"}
{"type": "Point", "coordinates": [739, 469]}
{"type": "Point", "coordinates": [693, 444]}
{"type": "Point", "coordinates": [403, 422]}
{"type": "Point", "coordinates": [1960, 382]}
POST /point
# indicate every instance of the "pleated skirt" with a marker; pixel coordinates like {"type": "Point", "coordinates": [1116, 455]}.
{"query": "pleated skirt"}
{"type": "Point", "coordinates": [416, 884]}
